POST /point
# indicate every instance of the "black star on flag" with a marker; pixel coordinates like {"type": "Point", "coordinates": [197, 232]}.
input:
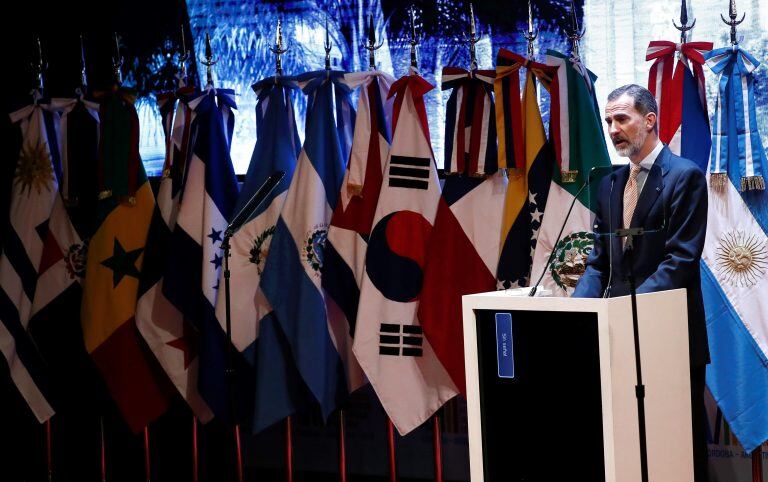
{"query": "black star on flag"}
{"type": "Point", "coordinates": [122, 263]}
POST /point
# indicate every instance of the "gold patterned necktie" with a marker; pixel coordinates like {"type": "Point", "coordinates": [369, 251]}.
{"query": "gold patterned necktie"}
{"type": "Point", "coordinates": [631, 194]}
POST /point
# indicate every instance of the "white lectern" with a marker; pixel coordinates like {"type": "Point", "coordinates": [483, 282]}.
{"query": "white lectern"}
{"type": "Point", "coordinates": [551, 388]}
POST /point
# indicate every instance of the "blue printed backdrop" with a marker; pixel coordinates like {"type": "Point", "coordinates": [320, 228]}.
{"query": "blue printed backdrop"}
{"type": "Point", "coordinates": [243, 31]}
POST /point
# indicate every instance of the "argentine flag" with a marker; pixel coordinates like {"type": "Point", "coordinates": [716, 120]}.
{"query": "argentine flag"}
{"type": "Point", "coordinates": [291, 278]}
{"type": "Point", "coordinates": [735, 258]}
{"type": "Point", "coordinates": [195, 259]}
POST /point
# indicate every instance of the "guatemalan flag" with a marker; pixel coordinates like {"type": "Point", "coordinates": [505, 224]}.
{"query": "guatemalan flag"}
{"type": "Point", "coordinates": [195, 258]}
{"type": "Point", "coordinates": [277, 147]}
{"type": "Point", "coordinates": [35, 186]}
{"type": "Point", "coordinates": [681, 97]}
{"type": "Point", "coordinates": [344, 254]}
{"type": "Point", "coordinates": [735, 258]}
{"type": "Point", "coordinates": [464, 246]}
{"type": "Point", "coordinates": [291, 278]}
{"type": "Point", "coordinates": [389, 341]}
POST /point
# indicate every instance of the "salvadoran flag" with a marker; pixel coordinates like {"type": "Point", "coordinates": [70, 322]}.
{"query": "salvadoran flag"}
{"type": "Point", "coordinates": [35, 186]}
{"type": "Point", "coordinates": [291, 277]}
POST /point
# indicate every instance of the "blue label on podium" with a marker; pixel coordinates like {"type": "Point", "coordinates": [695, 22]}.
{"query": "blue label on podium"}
{"type": "Point", "coordinates": [505, 357]}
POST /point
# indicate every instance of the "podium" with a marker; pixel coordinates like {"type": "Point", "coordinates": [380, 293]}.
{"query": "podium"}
{"type": "Point", "coordinates": [551, 388]}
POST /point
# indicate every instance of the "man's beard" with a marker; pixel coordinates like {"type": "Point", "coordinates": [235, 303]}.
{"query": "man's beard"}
{"type": "Point", "coordinates": [633, 146]}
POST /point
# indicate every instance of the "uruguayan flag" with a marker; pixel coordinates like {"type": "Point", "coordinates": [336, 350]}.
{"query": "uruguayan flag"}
{"type": "Point", "coordinates": [291, 278]}
{"type": "Point", "coordinates": [34, 189]}
{"type": "Point", "coordinates": [735, 259]}
{"type": "Point", "coordinates": [195, 259]}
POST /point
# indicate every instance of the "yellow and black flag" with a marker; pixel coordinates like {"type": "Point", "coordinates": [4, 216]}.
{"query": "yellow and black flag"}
{"type": "Point", "coordinates": [115, 255]}
{"type": "Point", "coordinates": [529, 159]}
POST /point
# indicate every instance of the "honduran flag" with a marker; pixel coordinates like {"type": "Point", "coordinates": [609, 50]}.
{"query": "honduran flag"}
{"type": "Point", "coordinates": [291, 277]}
{"type": "Point", "coordinates": [35, 185]}
{"type": "Point", "coordinates": [172, 338]}
{"type": "Point", "coordinates": [389, 340]}
{"type": "Point", "coordinates": [195, 257]}
{"type": "Point", "coordinates": [735, 258]}
{"type": "Point", "coordinates": [683, 120]}
{"type": "Point", "coordinates": [463, 250]}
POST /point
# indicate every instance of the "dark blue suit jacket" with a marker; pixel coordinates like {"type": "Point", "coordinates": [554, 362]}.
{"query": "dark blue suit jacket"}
{"type": "Point", "coordinates": [673, 202]}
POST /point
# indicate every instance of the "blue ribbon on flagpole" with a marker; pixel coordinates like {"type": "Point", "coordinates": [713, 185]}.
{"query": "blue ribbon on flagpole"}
{"type": "Point", "coordinates": [735, 136]}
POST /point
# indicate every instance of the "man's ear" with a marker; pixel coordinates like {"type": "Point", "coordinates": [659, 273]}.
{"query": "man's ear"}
{"type": "Point", "coordinates": [650, 120]}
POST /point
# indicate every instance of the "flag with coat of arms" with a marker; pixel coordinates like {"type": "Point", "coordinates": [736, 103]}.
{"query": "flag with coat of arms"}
{"type": "Point", "coordinates": [291, 277]}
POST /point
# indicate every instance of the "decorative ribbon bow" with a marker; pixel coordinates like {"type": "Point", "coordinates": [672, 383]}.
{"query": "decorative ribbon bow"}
{"type": "Point", "coordinates": [735, 136]}
{"type": "Point", "coordinates": [470, 112]}
{"type": "Point", "coordinates": [419, 87]}
{"type": "Point", "coordinates": [668, 88]}
{"type": "Point", "coordinates": [345, 111]}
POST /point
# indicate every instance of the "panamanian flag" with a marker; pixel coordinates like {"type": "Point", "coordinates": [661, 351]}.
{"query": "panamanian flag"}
{"type": "Point", "coordinates": [464, 245]}
{"type": "Point", "coordinates": [389, 341]}
{"type": "Point", "coordinates": [735, 258]}
{"type": "Point", "coordinates": [35, 186]}
{"type": "Point", "coordinates": [344, 254]}
{"type": "Point", "coordinates": [195, 258]}
{"type": "Point", "coordinates": [291, 278]}
{"type": "Point", "coordinates": [173, 339]}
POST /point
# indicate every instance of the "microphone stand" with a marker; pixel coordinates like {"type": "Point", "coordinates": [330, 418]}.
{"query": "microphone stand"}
{"type": "Point", "coordinates": [629, 250]}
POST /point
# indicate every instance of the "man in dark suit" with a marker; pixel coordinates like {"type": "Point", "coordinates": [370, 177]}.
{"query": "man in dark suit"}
{"type": "Point", "coordinates": [666, 195]}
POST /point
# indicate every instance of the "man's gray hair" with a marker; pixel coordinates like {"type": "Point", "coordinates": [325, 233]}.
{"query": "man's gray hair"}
{"type": "Point", "coordinates": [645, 102]}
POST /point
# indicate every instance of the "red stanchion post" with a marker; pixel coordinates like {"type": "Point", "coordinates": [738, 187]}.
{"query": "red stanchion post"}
{"type": "Point", "coordinates": [195, 462]}
{"type": "Point", "coordinates": [392, 454]}
{"type": "Point", "coordinates": [239, 452]}
{"type": "Point", "coordinates": [342, 449]}
{"type": "Point", "coordinates": [757, 464]}
{"type": "Point", "coordinates": [288, 450]}
{"type": "Point", "coordinates": [103, 451]}
{"type": "Point", "coordinates": [147, 460]}
{"type": "Point", "coordinates": [437, 441]}
{"type": "Point", "coordinates": [48, 451]}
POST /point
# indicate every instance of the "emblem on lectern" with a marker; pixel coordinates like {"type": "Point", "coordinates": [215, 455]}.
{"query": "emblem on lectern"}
{"type": "Point", "coordinates": [741, 258]}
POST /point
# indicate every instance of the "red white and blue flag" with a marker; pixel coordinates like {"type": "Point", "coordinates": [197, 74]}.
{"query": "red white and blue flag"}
{"type": "Point", "coordinates": [389, 341]}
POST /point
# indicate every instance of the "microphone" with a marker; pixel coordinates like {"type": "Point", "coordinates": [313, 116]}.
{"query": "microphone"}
{"type": "Point", "coordinates": [562, 228]}
{"type": "Point", "coordinates": [607, 291]}
{"type": "Point", "coordinates": [258, 197]}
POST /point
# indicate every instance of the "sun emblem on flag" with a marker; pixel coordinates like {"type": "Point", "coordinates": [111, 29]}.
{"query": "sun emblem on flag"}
{"type": "Point", "coordinates": [312, 252]}
{"type": "Point", "coordinates": [570, 260]}
{"type": "Point", "coordinates": [34, 169]}
{"type": "Point", "coordinates": [75, 260]}
{"type": "Point", "coordinates": [741, 258]}
{"type": "Point", "coordinates": [259, 251]}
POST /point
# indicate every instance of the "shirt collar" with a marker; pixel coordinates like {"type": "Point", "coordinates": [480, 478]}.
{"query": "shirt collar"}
{"type": "Point", "coordinates": [648, 161]}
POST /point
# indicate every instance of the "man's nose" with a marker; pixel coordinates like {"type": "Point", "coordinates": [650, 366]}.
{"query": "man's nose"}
{"type": "Point", "coordinates": [612, 129]}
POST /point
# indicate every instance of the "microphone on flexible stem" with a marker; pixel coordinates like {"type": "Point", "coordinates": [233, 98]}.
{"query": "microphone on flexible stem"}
{"type": "Point", "coordinates": [258, 197]}
{"type": "Point", "coordinates": [607, 291]}
{"type": "Point", "coordinates": [562, 228]}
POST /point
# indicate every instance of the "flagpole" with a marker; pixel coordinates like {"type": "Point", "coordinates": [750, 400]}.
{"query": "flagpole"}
{"type": "Point", "coordinates": [103, 450]}
{"type": "Point", "coordinates": [437, 442]}
{"type": "Point", "coordinates": [48, 451]}
{"type": "Point", "coordinates": [757, 464]}
{"type": "Point", "coordinates": [147, 460]}
{"type": "Point", "coordinates": [195, 461]}
{"type": "Point", "coordinates": [391, 451]}
{"type": "Point", "coordinates": [342, 449]}
{"type": "Point", "coordinates": [239, 453]}
{"type": "Point", "coordinates": [288, 450]}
